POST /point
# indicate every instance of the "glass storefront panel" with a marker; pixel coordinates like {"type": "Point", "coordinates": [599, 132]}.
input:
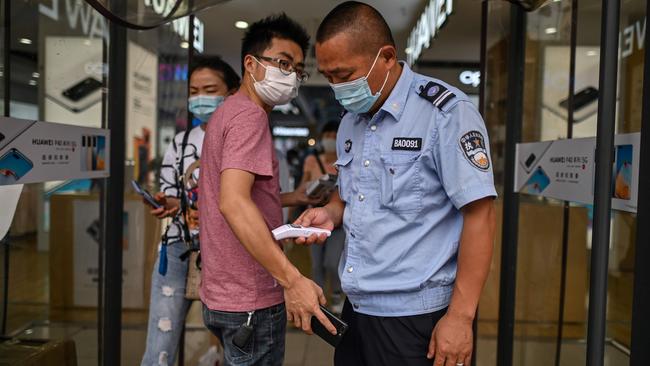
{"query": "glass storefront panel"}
{"type": "Point", "coordinates": [2, 58]}
{"type": "Point", "coordinates": [539, 250]}
{"type": "Point", "coordinates": [3, 256]}
{"type": "Point", "coordinates": [496, 93]}
{"type": "Point", "coordinates": [57, 75]}
{"type": "Point", "coordinates": [547, 76]}
{"type": "Point", "coordinates": [624, 224]}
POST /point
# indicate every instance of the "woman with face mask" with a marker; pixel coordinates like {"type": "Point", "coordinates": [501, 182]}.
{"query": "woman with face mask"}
{"type": "Point", "coordinates": [325, 258]}
{"type": "Point", "coordinates": [211, 81]}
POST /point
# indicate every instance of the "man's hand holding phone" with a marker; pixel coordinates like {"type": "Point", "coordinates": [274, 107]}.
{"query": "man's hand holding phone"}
{"type": "Point", "coordinates": [168, 206]}
{"type": "Point", "coordinates": [303, 298]}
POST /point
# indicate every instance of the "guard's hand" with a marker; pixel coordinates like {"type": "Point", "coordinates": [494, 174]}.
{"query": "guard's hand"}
{"type": "Point", "coordinates": [167, 209]}
{"type": "Point", "coordinates": [302, 298]}
{"type": "Point", "coordinates": [316, 217]}
{"type": "Point", "coordinates": [451, 341]}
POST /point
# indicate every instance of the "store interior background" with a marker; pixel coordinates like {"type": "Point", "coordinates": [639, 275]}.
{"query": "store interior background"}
{"type": "Point", "coordinates": [54, 255]}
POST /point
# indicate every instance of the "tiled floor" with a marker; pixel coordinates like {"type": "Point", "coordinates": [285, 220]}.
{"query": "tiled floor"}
{"type": "Point", "coordinates": [30, 311]}
{"type": "Point", "coordinates": [304, 350]}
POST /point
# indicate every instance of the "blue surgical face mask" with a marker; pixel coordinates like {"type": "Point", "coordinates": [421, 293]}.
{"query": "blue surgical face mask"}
{"type": "Point", "coordinates": [355, 96]}
{"type": "Point", "coordinates": [202, 106]}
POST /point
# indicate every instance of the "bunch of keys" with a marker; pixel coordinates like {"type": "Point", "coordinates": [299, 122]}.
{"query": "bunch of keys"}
{"type": "Point", "coordinates": [243, 335]}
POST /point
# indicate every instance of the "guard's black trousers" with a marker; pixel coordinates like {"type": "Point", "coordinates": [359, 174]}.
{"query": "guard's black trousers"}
{"type": "Point", "coordinates": [385, 341]}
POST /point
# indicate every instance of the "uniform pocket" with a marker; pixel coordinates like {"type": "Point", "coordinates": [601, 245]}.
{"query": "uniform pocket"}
{"type": "Point", "coordinates": [401, 182]}
{"type": "Point", "coordinates": [344, 166]}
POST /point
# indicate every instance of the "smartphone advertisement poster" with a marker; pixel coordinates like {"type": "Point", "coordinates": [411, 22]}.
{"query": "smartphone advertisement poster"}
{"type": "Point", "coordinates": [565, 170]}
{"type": "Point", "coordinates": [35, 151]}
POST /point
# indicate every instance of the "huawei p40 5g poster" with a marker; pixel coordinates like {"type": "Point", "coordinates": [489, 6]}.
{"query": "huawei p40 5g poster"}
{"type": "Point", "coordinates": [34, 151]}
{"type": "Point", "coordinates": [564, 170]}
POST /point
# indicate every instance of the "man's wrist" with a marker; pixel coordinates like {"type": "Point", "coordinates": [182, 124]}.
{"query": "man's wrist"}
{"type": "Point", "coordinates": [332, 211]}
{"type": "Point", "coordinates": [465, 314]}
{"type": "Point", "coordinates": [289, 276]}
{"type": "Point", "coordinates": [288, 199]}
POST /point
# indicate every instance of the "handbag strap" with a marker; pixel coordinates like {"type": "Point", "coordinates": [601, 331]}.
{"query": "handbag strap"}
{"type": "Point", "coordinates": [183, 196]}
{"type": "Point", "coordinates": [320, 163]}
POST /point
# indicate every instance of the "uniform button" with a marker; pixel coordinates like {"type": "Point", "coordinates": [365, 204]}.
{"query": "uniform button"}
{"type": "Point", "coordinates": [356, 306]}
{"type": "Point", "coordinates": [373, 128]}
{"type": "Point", "coordinates": [366, 163]}
{"type": "Point", "coordinates": [362, 197]}
{"type": "Point", "coordinates": [350, 269]}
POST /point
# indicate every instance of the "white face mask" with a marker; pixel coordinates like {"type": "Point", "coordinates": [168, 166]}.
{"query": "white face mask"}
{"type": "Point", "coordinates": [276, 88]}
{"type": "Point", "coordinates": [329, 145]}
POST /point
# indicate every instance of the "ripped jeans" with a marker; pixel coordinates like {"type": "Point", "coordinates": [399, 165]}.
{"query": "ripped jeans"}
{"type": "Point", "coordinates": [167, 308]}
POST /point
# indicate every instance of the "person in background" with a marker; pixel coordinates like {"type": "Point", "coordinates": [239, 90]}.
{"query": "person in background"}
{"type": "Point", "coordinates": [416, 197]}
{"type": "Point", "coordinates": [295, 165]}
{"type": "Point", "coordinates": [211, 80]}
{"type": "Point", "coordinates": [246, 278]}
{"type": "Point", "coordinates": [325, 258]}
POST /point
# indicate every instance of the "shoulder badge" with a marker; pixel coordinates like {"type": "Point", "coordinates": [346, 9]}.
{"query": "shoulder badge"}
{"type": "Point", "coordinates": [437, 94]}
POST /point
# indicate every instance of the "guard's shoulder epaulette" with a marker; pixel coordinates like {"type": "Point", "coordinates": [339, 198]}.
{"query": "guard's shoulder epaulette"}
{"type": "Point", "coordinates": [439, 95]}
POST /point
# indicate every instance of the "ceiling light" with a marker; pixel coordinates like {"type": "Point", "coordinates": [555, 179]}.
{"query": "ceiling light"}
{"type": "Point", "coordinates": [36, 75]}
{"type": "Point", "coordinates": [408, 50]}
{"type": "Point", "coordinates": [241, 24]}
{"type": "Point", "coordinates": [311, 142]}
{"type": "Point", "coordinates": [592, 53]}
{"type": "Point", "coordinates": [185, 44]}
{"type": "Point", "coordinates": [25, 41]}
{"type": "Point", "coordinates": [32, 82]}
{"type": "Point", "coordinates": [551, 30]}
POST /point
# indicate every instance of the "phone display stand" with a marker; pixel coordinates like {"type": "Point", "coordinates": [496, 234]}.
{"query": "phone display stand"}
{"type": "Point", "coordinates": [9, 196]}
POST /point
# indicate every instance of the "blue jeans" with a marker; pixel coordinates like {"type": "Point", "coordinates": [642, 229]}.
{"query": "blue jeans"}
{"type": "Point", "coordinates": [167, 308]}
{"type": "Point", "coordinates": [266, 345]}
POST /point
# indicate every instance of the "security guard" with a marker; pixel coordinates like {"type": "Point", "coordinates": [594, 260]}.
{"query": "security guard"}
{"type": "Point", "coordinates": [416, 200]}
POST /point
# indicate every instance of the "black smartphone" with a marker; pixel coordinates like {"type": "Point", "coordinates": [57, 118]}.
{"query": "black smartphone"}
{"type": "Point", "coordinates": [146, 195]}
{"type": "Point", "coordinates": [581, 98]}
{"type": "Point", "coordinates": [82, 89]}
{"type": "Point", "coordinates": [530, 160]}
{"type": "Point", "coordinates": [94, 230]}
{"type": "Point", "coordinates": [321, 331]}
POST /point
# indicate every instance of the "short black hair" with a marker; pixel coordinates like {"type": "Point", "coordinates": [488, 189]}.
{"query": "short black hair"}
{"type": "Point", "coordinates": [260, 34]}
{"type": "Point", "coordinates": [217, 64]}
{"type": "Point", "coordinates": [331, 126]}
{"type": "Point", "coordinates": [364, 23]}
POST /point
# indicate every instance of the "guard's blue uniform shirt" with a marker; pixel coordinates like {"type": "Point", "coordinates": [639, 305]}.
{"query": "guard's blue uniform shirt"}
{"type": "Point", "coordinates": [404, 175]}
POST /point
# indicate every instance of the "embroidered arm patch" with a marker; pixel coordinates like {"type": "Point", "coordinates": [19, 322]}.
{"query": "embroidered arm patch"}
{"type": "Point", "coordinates": [473, 145]}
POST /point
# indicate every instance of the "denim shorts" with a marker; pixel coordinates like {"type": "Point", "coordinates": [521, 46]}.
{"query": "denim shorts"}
{"type": "Point", "coordinates": [266, 345]}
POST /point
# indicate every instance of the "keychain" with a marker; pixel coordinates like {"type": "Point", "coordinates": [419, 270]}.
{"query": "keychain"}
{"type": "Point", "coordinates": [243, 335]}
